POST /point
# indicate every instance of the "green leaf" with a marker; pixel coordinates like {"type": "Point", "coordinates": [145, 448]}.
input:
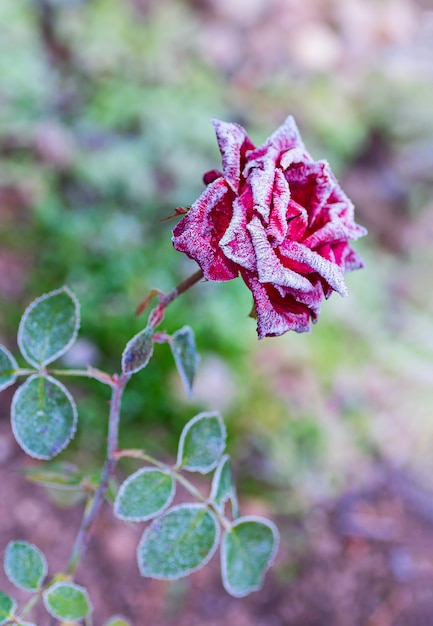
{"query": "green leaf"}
{"type": "Point", "coordinates": [49, 327]}
{"type": "Point", "coordinates": [202, 443]}
{"type": "Point", "coordinates": [67, 601]}
{"type": "Point", "coordinates": [25, 565]}
{"type": "Point", "coordinates": [144, 495]}
{"type": "Point", "coordinates": [138, 351]}
{"type": "Point", "coordinates": [223, 487]}
{"type": "Point", "coordinates": [7, 365]}
{"type": "Point", "coordinates": [58, 474]}
{"type": "Point", "coordinates": [118, 620]}
{"type": "Point", "coordinates": [44, 417]}
{"type": "Point", "coordinates": [185, 356]}
{"type": "Point", "coordinates": [179, 542]}
{"type": "Point", "coordinates": [247, 550]}
{"type": "Point", "coordinates": [7, 607]}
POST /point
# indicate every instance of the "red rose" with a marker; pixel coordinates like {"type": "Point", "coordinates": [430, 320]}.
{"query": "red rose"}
{"type": "Point", "coordinates": [278, 218]}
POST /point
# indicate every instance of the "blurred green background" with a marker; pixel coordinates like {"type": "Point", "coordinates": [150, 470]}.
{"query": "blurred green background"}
{"type": "Point", "coordinates": [105, 109]}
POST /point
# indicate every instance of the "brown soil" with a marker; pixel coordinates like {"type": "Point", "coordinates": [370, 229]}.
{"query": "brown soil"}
{"type": "Point", "coordinates": [365, 559]}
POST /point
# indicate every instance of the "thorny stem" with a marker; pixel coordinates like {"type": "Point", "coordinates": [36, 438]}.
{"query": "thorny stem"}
{"type": "Point", "coordinates": [168, 298]}
{"type": "Point", "coordinates": [90, 515]}
{"type": "Point", "coordinates": [140, 454]}
{"type": "Point", "coordinates": [181, 288]}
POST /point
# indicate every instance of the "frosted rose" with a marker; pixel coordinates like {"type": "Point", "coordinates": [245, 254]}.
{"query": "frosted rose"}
{"type": "Point", "coordinates": [280, 220]}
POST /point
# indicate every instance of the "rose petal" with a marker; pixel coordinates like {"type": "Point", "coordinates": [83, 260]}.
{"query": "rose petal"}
{"type": "Point", "coordinates": [276, 314]}
{"type": "Point", "coordinates": [236, 243]}
{"type": "Point", "coordinates": [327, 270]}
{"type": "Point", "coordinates": [310, 186]}
{"type": "Point", "coordinates": [278, 226]}
{"type": "Point", "coordinates": [233, 143]}
{"type": "Point", "coordinates": [269, 267]}
{"type": "Point", "coordinates": [260, 168]}
{"type": "Point", "coordinates": [199, 232]}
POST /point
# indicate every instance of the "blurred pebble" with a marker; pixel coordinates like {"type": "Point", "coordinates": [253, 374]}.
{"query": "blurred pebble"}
{"type": "Point", "coordinates": [83, 353]}
{"type": "Point", "coordinates": [215, 386]}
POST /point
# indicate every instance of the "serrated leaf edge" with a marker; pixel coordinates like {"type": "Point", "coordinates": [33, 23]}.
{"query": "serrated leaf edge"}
{"type": "Point", "coordinates": [203, 469]}
{"type": "Point", "coordinates": [276, 535]}
{"type": "Point", "coordinates": [64, 584]}
{"type": "Point", "coordinates": [215, 480]}
{"type": "Point", "coordinates": [186, 383]}
{"type": "Point", "coordinates": [8, 572]}
{"type": "Point", "coordinates": [74, 411]}
{"type": "Point", "coordinates": [131, 478]}
{"type": "Point", "coordinates": [29, 309]}
{"type": "Point", "coordinates": [14, 366]}
{"type": "Point", "coordinates": [12, 610]}
{"type": "Point", "coordinates": [128, 345]}
{"type": "Point", "coordinates": [192, 569]}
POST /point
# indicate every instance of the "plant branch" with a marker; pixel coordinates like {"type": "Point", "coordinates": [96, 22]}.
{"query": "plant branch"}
{"type": "Point", "coordinates": [140, 454]}
{"type": "Point", "coordinates": [168, 298]}
{"type": "Point", "coordinates": [94, 508]}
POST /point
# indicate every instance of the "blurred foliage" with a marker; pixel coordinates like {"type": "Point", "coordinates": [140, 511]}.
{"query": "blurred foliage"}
{"type": "Point", "coordinates": [105, 110]}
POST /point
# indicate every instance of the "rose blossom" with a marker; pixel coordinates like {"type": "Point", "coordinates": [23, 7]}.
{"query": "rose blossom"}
{"type": "Point", "coordinates": [280, 220]}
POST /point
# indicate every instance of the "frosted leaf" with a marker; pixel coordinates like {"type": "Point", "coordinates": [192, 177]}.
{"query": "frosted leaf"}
{"type": "Point", "coordinates": [178, 543]}
{"type": "Point", "coordinates": [43, 417]}
{"type": "Point", "coordinates": [49, 327]}
{"type": "Point", "coordinates": [138, 351]}
{"type": "Point", "coordinates": [185, 356]}
{"type": "Point", "coordinates": [7, 365]}
{"type": "Point", "coordinates": [202, 443]}
{"type": "Point", "coordinates": [67, 601]}
{"type": "Point", "coordinates": [247, 550]}
{"type": "Point", "coordinates": [144, 494]}
{"type": "Point", "coordinates": [25, 565]}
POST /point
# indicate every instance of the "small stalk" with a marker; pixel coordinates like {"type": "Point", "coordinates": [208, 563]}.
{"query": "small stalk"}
{"type": "Point", "coordinates": [94, 508]}
{"type": "Point", "coordinates": [140, 454]}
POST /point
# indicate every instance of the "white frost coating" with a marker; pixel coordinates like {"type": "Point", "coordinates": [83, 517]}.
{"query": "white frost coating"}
{"type": "Point", "coordinates": [202, 469]}
{"type": "Point", "coordinates": [14, 367]}
{"type": "Point", "coordinates": [131, 345]}
{"type": "Point", "coordinates": [23, 322]}
{"type": "Point", "coordinates": [276, 536]}
{"type": "Point", "coordinates": [231, 138]}
{"type": "Point", "coordinates": [49, 591]}
{"type": "Point", "coordinates": [269, 320]}
{"type": "Point", "coordinates": [131, 479]}
{"type": "Point", "coordinates": [297, 154]}
{"type": "Point", "coordinates": [9, 572]}
{"type": "Point", "coordinates": [193, 234]}
{"type": "Point", "coordinates": [188, 571]}
{"type": "Point", "coordinates": [17, 394]}
{"type": "Point", "coordinates": [228, 495]}
{"type": "Point", "coordinates": [269, 267]}
{"type": "Point", "coordinates": [327, 270]}
{"type": "Point", "coordinates": [278, 226]}
{"type": "Point", "coordinates": [236, 242]}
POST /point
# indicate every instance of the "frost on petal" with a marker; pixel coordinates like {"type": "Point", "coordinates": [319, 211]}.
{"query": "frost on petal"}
{"type": "Point", "coordinates": [269, 267]}
{"type": "Point", "coordinates": [297, 220]}
{"type": "Point", "coordinates": [233, 143]}
{"type": "Point", "coordinates": [280, 219]}
{"type": "Point", "coordinates": [332, 232]}
{"type": "Point", "coordinates": [276, 314]}
{"type": "Point", "coordinates": [198, 234]}
{"type": "Point", "coordinates": [278, 225]}
{"type": "Point", "coordinates": [310, 186]}
{"type": "Point", "coordinates": [285, 138]}
{"type": "Point", "coordinates": [236, 242]}
{"type": "Point", "coordinates": [327, 269]}
{"type": "Point", "coordinates": [347, 258]}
